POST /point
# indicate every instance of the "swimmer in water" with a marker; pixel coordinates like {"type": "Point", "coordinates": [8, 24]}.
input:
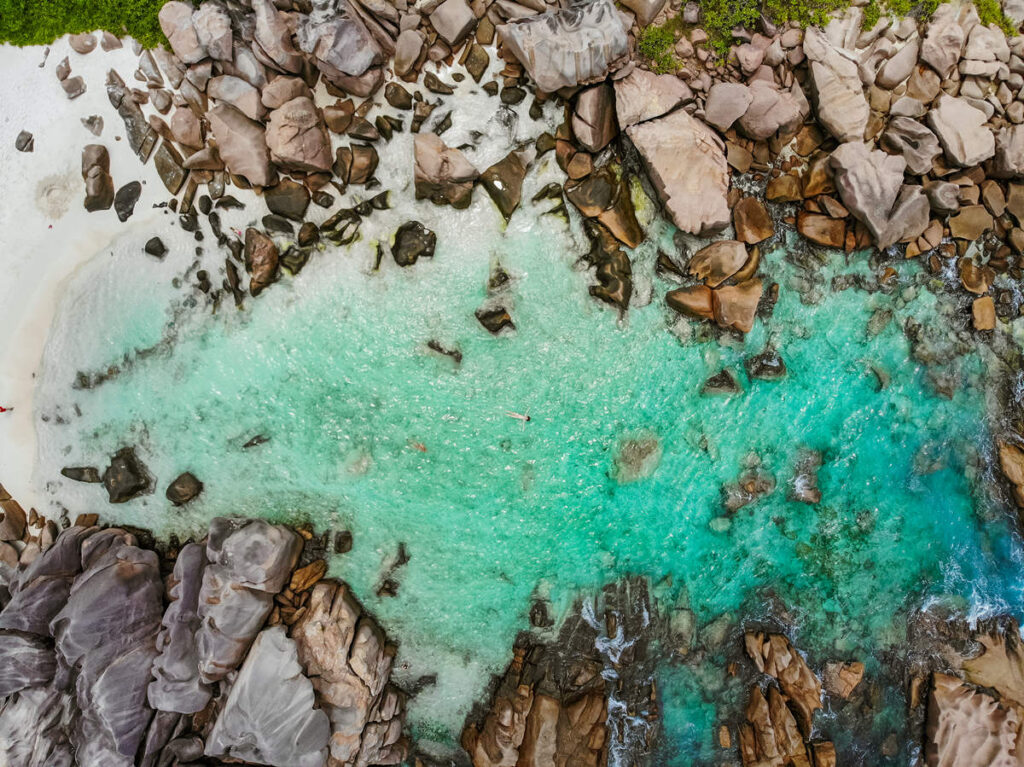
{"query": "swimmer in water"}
{"type": "Point", "coordinates": [518, 416]}
{"type": "Point", "coordinates": [6, 409]}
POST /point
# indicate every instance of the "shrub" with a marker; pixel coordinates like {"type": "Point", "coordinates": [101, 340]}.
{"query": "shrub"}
{"type": "Point", "coordinates": [36, 22]}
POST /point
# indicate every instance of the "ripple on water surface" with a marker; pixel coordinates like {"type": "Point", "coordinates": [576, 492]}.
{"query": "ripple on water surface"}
{"type": "Point", "coordinates": [333, 368]}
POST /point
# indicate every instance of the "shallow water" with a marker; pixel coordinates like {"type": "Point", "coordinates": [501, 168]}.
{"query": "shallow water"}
{"type": "Point", "coordinates": [371, 432]}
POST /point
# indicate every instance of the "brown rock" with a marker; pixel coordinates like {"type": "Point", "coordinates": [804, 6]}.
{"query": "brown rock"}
{"type": "Point", "coordinates": [975, 279]}
{"type": "Point", "coordinates": [297, 137]}
{"type": "Point", "coordinates": [605, 197]}
{"type": "Point", "coordinates": [970, 223]}
{"type": "Point", "coordinates": [305, 577]}
{"type": "Point", "coordinates": [261, 259]}
{"type": "Point", "coordinates": [718, 262]}
{"type": "Point", "coordinates": [241, 144]}
{"type": "Point", "coordinates": [694, 301]}
{"type": "Point", "coordinates": [774, 655]}
{"type": "Point", "coordinates": [442, 174]}
{"type": "Point", "coordinates": [504, 180]}
{"type": "Point", "coordinates": [1011, 460]}
{"type": "Point", "coordinates": [823, 230]}
{"type": "Point", "coordinates": [983, 310]}
{"type": "Point", "coordinates": [840, 679]}
{"type": "Point", "coordinates": [735, 306]}
{"type": "Point", "coordinates": [752, 221]}
{"type": "Point", "coordinates": [968, 728]}
{"type": "Point", "coordinates": [784, 188]}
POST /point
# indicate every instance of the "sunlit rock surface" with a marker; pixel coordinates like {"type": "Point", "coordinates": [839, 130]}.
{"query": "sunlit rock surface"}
{"type": "Point", "coordinates": [268, 717]}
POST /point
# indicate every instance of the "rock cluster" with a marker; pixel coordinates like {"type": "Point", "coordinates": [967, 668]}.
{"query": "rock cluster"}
{"type": "Point", "coordinates": [96, 670]}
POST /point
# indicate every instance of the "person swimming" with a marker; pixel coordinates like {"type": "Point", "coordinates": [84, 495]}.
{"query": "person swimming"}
{"type": "Point", "coordinates": [524, 417]}
{"type": "Point", "coordinates": [6, 409]}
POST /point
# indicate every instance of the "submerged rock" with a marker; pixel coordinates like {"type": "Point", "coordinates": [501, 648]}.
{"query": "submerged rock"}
{"type": "Point", "coordinates": [126, 477]}
{"type": "Point", "coordinates": [504, 180]}
{"type": "Point", "coordinates": [412, 242]}
{"type": "Point", "coordinates": [282, 728]}
{"type": "Point", "coordinates": [718, 262]}
{"type": "Point", "coordinates": [636, 459]}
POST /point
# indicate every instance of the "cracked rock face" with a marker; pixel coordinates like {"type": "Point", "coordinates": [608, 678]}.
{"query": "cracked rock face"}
{"type": "Point", "coordinates": [842, 107]}
{"type": "Point", "coordinates": [572, 46]}
{"type": "Point", "coordinates": [961, 130]}
{"type": "Point", "coordinates": [282, 728]}
{"type": "Point", "coordinates": [870, 183]}
{"type": "Point", "coordinates": [348, 661]}
{"type": "Point", "coordinates": [686, 163]}
{"type": "Point", "coordinates": [968, 728]}
{"type": "Point", "coordinates": [298, 138]}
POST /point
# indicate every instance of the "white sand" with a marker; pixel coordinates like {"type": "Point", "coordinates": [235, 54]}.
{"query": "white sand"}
{"type": "Point", "coordinates": [45, 232]}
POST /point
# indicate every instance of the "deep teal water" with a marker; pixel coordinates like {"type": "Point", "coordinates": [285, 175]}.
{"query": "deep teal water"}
{"type": "Point", "coordinates": [332, 367]}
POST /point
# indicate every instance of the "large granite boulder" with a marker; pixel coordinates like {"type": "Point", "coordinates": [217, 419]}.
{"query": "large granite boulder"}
{"type": "Point", "coordinates": [442, 174]}
{"type": "Point", "coordinates": [769, 734]}
{"type": "Point", "coordinates": [909, 138]}
{"type": "Point", "coordinates": [961, 130]}
{"type": "Point", "coordinates": [26, 660]}
{"type": "Point", "coordinates": [453, 20]}
{"type": "Point", "coordinates": [642, 95]}
{"type": "Point", "coordinates": [106, 633]}
{"type": "Point", "coordinates": [176, 685]}
{"type": "Point", "coordinates": [967, 727]}
{"type": "Point", "coordinates": [250, 561]}
{"type": "Point", "coordinates": [176, 23]}
{"type": "Point", "coordinates": [345, 655]}
{"type": "Point", "coordinates": [261, 260]}
{"type": "Point", "coordinates": [236, 92]}
{"type": "Point", "coordinates": [241, 144]}
{"type": "Point", "coordinates": [842, 107]}
{"type": "Point", "coordinates": [273, 37]}
{"type": "Point", "coordinates": [726, 103]}
{"type": "Point", "coordinates": [943, 40]}
{"type": "Point", "coordinates": [718, 262]}
{"type": "Point", "coordinates": [685, 160]}
{"type": "Point", "coordinates": [774, 655]}
{"type": "Point", "coordinates": [772, 110]}
{"type": "Point", "coordinates": [340, 43]}
{"type": "Point", "coordinates": [213, 30]}
{"type": "Point", "coordinates": [99, 185]}
{"type": "Point", "coordinates": [298, 138]}
{"type": "Point", "coordinates": [870, 183]}
{"type": "Point", "coordinates": [735, 306]}
{"type": "Point", "coordinates": [269, 715]}
{"type": "Point", "coordinates": [571, 46]}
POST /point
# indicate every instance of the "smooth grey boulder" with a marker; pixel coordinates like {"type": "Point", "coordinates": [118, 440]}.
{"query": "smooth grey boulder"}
{"type": "Point", "coordinates": [453, 20]}
{"type": "Point", "coordinates": [176, 23]}
{"type": "Point", "coordinates": [344, 654]}
{"type": "Point", "coordinates": [257, 554]}
{"type": "Point", "coordinates": [269, 716]}
{"type": "Point", "coordinates": [31, 731]}
{"type": "Point", "coordinates": [686, 163]}
{"type": "Point", "coordinates": [961, 130]}
{"type": "Point", "coordinates": [571, 46]}
{"type": "Point", "coordinates": [643, 95]}
{"type": "Point", "coordinates": [212, 25]}
{"type": "Point", "coordinates": [870, 184]}
{"type": "Point", "coordinates": [773, 109]}
{"type": "Point", "coordinates": [250, 561]}
{"type": "Point", "coordinates": [26, 660]}
{"type": "Point", "coordinates": [105, 635]}
{"type": "Point", "coordinates": [241, 144]}
{"type": "Point", "coordinates": [176, 685]}
{"type": "Point", "coordinates": [40, 591]}
{"type": "Point", "coordinates": [842, 107]}
{"type": "Point", "coordinates": [914, 142]}
{"type": "Point", "coordinates": [238, 93]}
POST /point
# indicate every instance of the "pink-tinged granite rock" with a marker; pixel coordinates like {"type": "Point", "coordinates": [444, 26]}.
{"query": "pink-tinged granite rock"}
{"type": "Point", "coordinates": [685, 160]}
{"type": "Point", "coordinates": [298, 138]}
{"type": "Point", "coordinates": [961, 130]}
{"type": "Point", "coordinates": [213, 29]}
{"type": "Point", "coordinates": [593, 117]}
{"type": "Point", "coordinates": [241, 144]}
{"type": "Point", "coordinates": [274, 37]}
{"type": "Point", "coordinates": [176, 22]}
{"type": "Point", "coordinates": [842, 107]}
{"type": "Point", "coordinates": [966, 727]}
{"type": "Point", "coordinates": [643, 95]}
{"type": "Point", "coordinates": [442, 174]}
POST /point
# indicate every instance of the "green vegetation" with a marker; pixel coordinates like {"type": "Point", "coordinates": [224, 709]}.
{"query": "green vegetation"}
{"type": "Point", "coordinates": [720, 17]}
{"type": "Point", "coordinates": [35, 22]}
{"type": "Point", "coordinates": [657, 44]}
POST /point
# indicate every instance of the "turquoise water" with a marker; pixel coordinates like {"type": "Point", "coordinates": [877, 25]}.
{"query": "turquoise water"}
{"type": "Point", "coordinates": [370, 431]}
